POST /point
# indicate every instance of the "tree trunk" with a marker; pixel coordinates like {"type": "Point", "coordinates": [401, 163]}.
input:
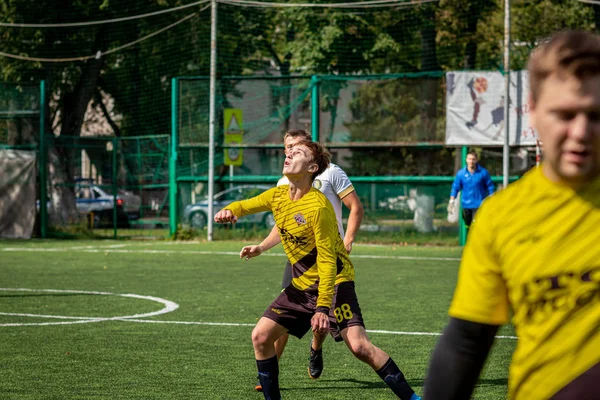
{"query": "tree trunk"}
{"type": "Point", "coordinates": [21, 132]}
{"type": "Point", "coordinates": [75, 103]}
{"type": "Point", "coordinates": [63, 206]}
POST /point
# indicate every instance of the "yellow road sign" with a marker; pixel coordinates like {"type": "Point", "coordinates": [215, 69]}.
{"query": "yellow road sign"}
{"type": "Point", "coordinates": [233, 120]}
{"type": "Point", "coordinates": [234, 134]}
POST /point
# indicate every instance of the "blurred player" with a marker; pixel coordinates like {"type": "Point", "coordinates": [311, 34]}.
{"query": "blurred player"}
{"type": "Point", "coordinates": [335, 185]}
{"type": "Point", "coordinates": [323, 275]}
{"type": "Point", "coordinates": [535, 248]}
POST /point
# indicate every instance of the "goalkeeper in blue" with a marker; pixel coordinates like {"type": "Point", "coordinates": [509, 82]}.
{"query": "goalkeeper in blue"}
{"type": "Point", "coordinates": [322, 295]}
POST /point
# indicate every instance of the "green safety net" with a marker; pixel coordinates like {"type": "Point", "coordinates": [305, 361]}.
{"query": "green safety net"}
{"type": "Point", "coordinates": [109, 68]}
{"type": "Point", "coordinates": [19, 115]}
{"type": "Point", "coordinates": [85, 174]}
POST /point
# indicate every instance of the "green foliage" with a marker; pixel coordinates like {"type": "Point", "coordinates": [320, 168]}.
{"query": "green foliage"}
{"type": "Point", "coordinates": [80, 230]}
{"type": "Point", "coordinates": [184, 233]}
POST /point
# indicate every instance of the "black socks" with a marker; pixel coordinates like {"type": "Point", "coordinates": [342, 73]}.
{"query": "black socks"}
{"type": "Point", "coordinates": [394, 378]}
{"type": "Point", "coordinates": [268, 374]}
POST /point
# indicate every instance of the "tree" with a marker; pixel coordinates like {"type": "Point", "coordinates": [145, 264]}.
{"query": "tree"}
{"type": "Point", "coordinates": [134, 76]}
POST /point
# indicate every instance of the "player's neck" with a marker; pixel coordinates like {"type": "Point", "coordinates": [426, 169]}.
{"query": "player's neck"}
{"type": "Point", "coordinates": [472, 169]}
{"type": "Point", "coordinates": [299, 187]}
{"type": "Point", "coordinates": [554, 177]}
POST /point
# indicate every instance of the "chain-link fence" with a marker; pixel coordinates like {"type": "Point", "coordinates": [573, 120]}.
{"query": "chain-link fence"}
{"type": "Point", "coordinates": [368, 79]}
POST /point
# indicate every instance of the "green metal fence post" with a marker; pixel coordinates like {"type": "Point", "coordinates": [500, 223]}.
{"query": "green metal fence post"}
{"type": "Point", "coordinates": [115, 187]}
{"type": "Point", "coordinates": [173, 158]}
{"type": "Point", "coordinates": [43, 168]}
{"type": "Point", "coordinates": [315, 108]}
{"type": "Point", "coordinates": [139, 160]}
{"type": "Point", "coordinates": [462, 229]}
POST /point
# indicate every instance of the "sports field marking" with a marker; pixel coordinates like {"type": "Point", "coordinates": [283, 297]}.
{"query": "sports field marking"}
{"type": "Point", "coordinates": [139, 318]}
{"type": "Point", "coordinates": [169, 306]}
{"type": "Point", "coordinates": [85, 249]}
{"type": "Point", "coordinates": [111, 246]}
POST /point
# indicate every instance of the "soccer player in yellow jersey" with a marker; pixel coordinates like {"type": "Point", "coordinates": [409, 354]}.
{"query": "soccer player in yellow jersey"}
{"type": "Point", "coordinates": [322, 273]}
{"type": "Point", "coordinates": [335, 185]}
{"type": "Point", "coordinates": [534, 250]}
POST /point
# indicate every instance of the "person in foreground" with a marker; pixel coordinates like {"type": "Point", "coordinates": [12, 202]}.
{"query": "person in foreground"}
{"type": "Point", "coordinates": [535, 248]}
{"type": "Point", "coordinates": [323, 275]}
{"type": "Point", "coordinates": [335, 185]}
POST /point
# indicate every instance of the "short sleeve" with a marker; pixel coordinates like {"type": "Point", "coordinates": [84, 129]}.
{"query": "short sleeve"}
{"type": "Point", "coordinates": [481, 295]}
{"type": "Point", "coordinates": [283, 181]}
{"type": "Point", "coordinates": [340, 183]}
{"type": "Point", "coordinates": [260, 203]}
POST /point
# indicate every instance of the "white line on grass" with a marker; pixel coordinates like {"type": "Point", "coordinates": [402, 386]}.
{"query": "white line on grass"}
{"type": "Point", "coordinates": [201, 252]}
{"type": "Point", "coordinates": [153, 321]}
{"type": "Point", "coordinates": [252, 325]}
{"type": "Point", "coordinates": [95, 247]}
{"type": "Point", "coordinates": [169, 307]}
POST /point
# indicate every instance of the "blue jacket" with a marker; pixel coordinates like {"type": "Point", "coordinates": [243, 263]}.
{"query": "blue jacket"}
{"type": "Point", "coordinates": [475, 186]}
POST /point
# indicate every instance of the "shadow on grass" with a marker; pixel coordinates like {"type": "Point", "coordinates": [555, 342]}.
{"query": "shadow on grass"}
{"type": "Point", "coordinates": [337, 384]}
{"type": "Point", "coordinates": [493, 382]}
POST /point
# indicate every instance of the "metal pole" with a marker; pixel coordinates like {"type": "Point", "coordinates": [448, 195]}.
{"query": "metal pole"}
{"type": "Point", "coordinates": [115, 187]}
{"type": "Point", "coordinates": [462, 229]}
{"type": "Point", "coordinates": [43, 167]}
{"type": "Point", "coordinates": [314, 106]}
{"type": "Point", "coordinates": [506, 147]}
{"type": "Point", "coordinates": [212, 117]}
{"type": "Point", "coordinates": [173, 217]}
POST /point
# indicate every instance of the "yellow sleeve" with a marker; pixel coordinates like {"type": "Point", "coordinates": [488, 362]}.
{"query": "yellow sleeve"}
{"type": "Point", "coordinates": [257, 204]}
{"type": "Point", "coordinates": [480, 294]}
{"type": "Point", "coordinates": [326, 232]}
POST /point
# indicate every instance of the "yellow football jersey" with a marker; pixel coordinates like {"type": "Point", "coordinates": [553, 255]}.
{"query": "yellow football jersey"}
{"type": "Point", "coordinates": [310, 238]}
{"type": "Point", "coordinates": [534, 249]}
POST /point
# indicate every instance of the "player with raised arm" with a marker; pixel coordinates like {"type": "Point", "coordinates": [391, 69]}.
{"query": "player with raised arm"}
{"type": "Point", "coordinates": [335, 185]}
{"type": "Point", "coordinates": [323, 275]}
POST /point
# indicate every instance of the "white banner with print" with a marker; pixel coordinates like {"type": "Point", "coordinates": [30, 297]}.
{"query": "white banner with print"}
{"type": "Point", "coordinates": [475, 109]}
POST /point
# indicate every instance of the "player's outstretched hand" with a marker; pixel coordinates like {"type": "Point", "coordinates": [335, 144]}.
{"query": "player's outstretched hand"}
{"type": "Point", "coordinates": [320, 323]}
{"type": "Point", "coordinates": [249, 252]}
{"type": "Point", "coordinates": [225, 216]}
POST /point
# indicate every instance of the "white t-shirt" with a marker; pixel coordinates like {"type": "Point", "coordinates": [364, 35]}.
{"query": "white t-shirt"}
{"type": "Point", "coordinates": [335, 185]}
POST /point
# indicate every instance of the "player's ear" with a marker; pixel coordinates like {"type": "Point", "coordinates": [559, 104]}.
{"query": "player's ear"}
{"type": "Point", "coordinates": [313, 168]}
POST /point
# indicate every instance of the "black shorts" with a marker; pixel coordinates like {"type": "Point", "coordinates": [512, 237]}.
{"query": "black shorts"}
{"type": "Point", "coordinates": [287, 275]}
{"type": "Point", "coordinates": [293, 309]}
{"type": "Point", "coordinates": [585, 386]}
{"type": "Point", "coordinates": [468, 215]}
{"type": "Point", "coordinates": [345, 311]}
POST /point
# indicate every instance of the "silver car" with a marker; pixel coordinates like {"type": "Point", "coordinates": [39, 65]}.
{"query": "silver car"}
{"type": "Point", "coordinates": [196, 214]}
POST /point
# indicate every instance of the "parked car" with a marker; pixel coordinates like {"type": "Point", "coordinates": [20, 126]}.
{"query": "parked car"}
{"type": "Point", "coordinates": [98, 203]}
{"type": "Point", "coordinates": [196, 214]}
{"type": "Point", "coordinates": [88, 192]}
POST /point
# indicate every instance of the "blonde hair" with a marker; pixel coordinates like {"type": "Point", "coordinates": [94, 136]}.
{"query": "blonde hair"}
{"type": "Point", "coordinates": [294, 133]}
